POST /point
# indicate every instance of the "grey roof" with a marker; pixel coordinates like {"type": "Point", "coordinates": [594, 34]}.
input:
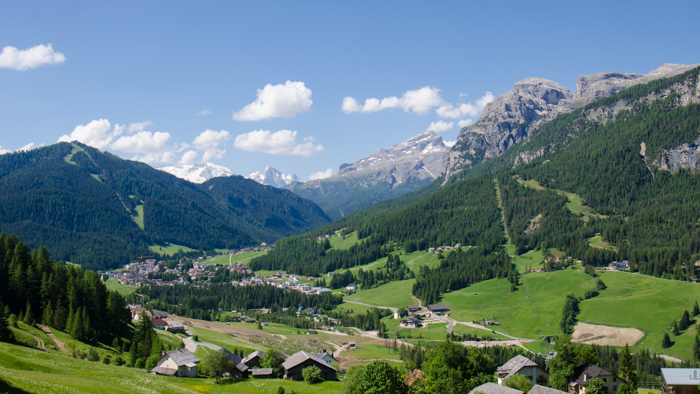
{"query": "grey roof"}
{"type": "Point", "coordinates": [261, 371]}
{"type": "Point", "coordinates": [681, 376]}
{"type": "Point", "coordinates": [514, 365]}
{"type": "Point", "coordinates": [321, 355]}
{"type": "Point", "coordinates": [493, 388]}
{"type": "Point", "coordinates": [182, 357]}
{"type": "Point", "coordinates": [545, 390]}
{"type": "Point", "coordinates": [593, 371]}
{"type": "Point", "coordinates": [164, 371]}
{"type": "Point", "coordinates": [233, 357]}
{"type": "Point", "coordinates": [251, 356]}
{"type": "Point", "coordinates": [299, 357]}
{"type": "Point", "coordinates": [241, 367]}
{"type": "Point", "coordinates": [438, 307]}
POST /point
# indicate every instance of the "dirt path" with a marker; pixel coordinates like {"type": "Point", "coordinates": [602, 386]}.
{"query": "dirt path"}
{"type": "Point", "coordinates": [53, 337]}
{"type": "Point", "coordinates": [374, 306]}
{"type": "Point", "coordinates": [39, 342]}
{"type": "Point", "coordinates": [420, 304]}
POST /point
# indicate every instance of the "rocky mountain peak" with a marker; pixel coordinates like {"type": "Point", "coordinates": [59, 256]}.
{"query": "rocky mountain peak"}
{"type": "Point", "coordinates": [199, 172]}
{"type": "Point", "coordinates": [273, 177]}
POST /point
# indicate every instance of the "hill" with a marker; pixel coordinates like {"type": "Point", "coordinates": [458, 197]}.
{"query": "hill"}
{"type": "Point", "coordinates": [98, 210]}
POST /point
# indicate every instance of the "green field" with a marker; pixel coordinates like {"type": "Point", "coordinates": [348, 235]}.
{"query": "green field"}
{"type": "Point", "coordinates": [372, 352]}
{"type": "Point", "coordinates": [225, 341]}
{"type": "Point", "coordinates": [113, 284]}
{"type": "Point", "coordinates": [597, 242]}
{"type": "Point", "coordinates": [532, 259]}
{"type": "Point", "coordinates": [343, 244]}
{"type": "Point", "coordinates": [24, 370]}
{"type": "Point", "coordinates": [575, 203]}
{"type": "Point", "coordinates": [393, 294]}
{"type": "Point", "coordinates": [169, 249]}
{"type": "Point", "coordinates": [647, 303]}
{"type": "Point", "coordinates": [519, 315]}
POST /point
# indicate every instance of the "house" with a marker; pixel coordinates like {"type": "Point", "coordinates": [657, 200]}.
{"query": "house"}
{"type": "Point", "coordinates": [351, 287]}
{"type": "Point", "coordinates": [298, 361]}
{"type": "Point", "coordinates": [180, 362]}
{"type": "Point", "coordinates": [310, 310]}
{"type": "Point", "coordinates": [410, 323]}
{"type": "Point", "coordinates": [352, 345]}
{"type": "Point", "coordinates": [585, 372]}
{"type": "Point", "coordinates": [136, 313]}
{"type": "Point", "coordinates": [438, 309]}
{"type": "Point", "coordinates": [414, 316]}
{"type": "Point", "coordinates": [680, 380]}
{"type": "Point", "coordinates": [327, 357]}
{"type": "Point", "coordinates": [537, 389]}
{"type": "Point", "coordinates": [233, 357]}
{"type": "Point", "coordinates": [413, 308]}
{"type": "Point", "coordinates": [493, 388]}
{"type": "Point", "coordinates": [263, 373]}
{"type": "Point", "coordinates": [174, 326]}
{"type": "Point", "coordinates": [160, 315]}
{"type": "Point", "coordinates": [524, 366]}
{"type": "Point", "coordinates": [240, 371]}
{"type": "Point", "coordinates": [253, 359]}
{"type": "Point", "coordinates": [158, 324]}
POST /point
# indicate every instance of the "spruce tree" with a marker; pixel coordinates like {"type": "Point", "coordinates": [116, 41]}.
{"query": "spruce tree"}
{"type": "Point", "coordinates": [685, 320]}
{"type": "Point", "coordinates": [628, 369]}
{"type": "Point", "coordinates": [676, 329]}
{"type": "Point", "coordinates": [87, 327]}
{"type": "Point", "coordinates": [29, 316]}
{"type": "Point", "coordinates": [666, 342]}
{"type": "Point", "coordinates": [5, 332]}
{"type": "Point", "coordinates": [47, 319]}
{"type": "Point", "coordinates": [696, 309]}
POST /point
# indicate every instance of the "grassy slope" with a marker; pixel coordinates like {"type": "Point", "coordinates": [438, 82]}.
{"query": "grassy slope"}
{"type": "Point", "coordinates": [27, 370]}
{"type": "Point", "coordinates": [647, 303]}
{"type": "Point", "coordinates": [394, 294]}
{"type": "Point", "coordinates": [169, 249]}
{"type": "Point", "coordinates": [113, 284]}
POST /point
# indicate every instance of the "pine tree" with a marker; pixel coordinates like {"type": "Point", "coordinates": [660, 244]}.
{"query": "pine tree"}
{"type": "Point", "coordinates": [5, 332]}
{"type": "Point", "coordinates": [628, 369]}
{"type": "Point", "coordinates": [29, 316]}
{"type": "Point", "coordinates": [666, 342]}
{"type": "Point", "coordinates": [676, 329]}
{"type": "Point", "coordinates": [685, 320]}
{"type": "Point", "coordinates": [696, 309]}
{"type": "Point", "coordinates": [87, 327]}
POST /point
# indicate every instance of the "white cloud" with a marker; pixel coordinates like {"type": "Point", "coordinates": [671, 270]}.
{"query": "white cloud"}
{"type": "Point", "coordinates": [3, 150]}
{"type": "Point", "coordinates": [27, 147]}
{"type": "Point", "coordinates": [449, 111]}
{"type": "Point", "coordinates": [24, 59]}
{"type": "Point", "coordinates": [440, 126]}
{"type": "Point", "coordinates": [135, 127]}
{"type": "Point", "coordinates": [449, 143]}
{"type": "Point", "coordinates": [277, 101]}
{"type": "Point", "coordinates": [419, 101]}
{"type": "Point", "coordinates": [464, 123]}
{"type": "Point", "coordinates": [143, 142]}
{"type": "Point", "coordinates": [96, 134]}
{"type": "Point", "coordinates": [282, 142]}
{"type": "Point", "coordinates": [209, 141]}
{"type": "Point", "coordinates": [321, 174]}
{"type": "Point", "coordinates": [485, 99]}
{"type": "Point", "coordinates": [203, 112]}
{"type": "Point", "coordinates": [189, 157]}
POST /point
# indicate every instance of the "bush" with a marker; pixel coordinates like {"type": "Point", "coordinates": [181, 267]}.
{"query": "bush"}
{"type": "Point", "coordinates": [119, 361]}
{"type": "Point", "coordinates": [312, 374]}
{"type": "Point", "coordinates": [152, 361]}
{"type": "Point", "coordinates": [106, 360]}
{"type": "Point", "coordinates": [93, 355]}
{"type": "Point", "coordinates": [140, 363]}
{"type": "Point", "coordinates": [195, 338]}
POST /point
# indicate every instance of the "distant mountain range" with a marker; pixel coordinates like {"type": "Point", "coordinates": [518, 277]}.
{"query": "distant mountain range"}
{"type": "Point", "coordinates": [384, 174]}
{"type": "Point", "coordinates": [96, 209]}
{"type": "Point", "coordinates": [198, 173]}
{"type": "Point", "coordinates": [273, 177]}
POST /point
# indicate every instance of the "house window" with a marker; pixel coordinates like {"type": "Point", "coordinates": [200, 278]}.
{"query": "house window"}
{"type": "Point", "coordinates": [614, 379]}
{"type": "Point", "coordinates": [614, 388]}
{"type": "Point", "coordinates": [605, 380]}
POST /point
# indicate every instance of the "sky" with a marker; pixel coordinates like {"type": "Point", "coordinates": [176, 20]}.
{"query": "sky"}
{"type": "Point", "coordinates": [300, 86]}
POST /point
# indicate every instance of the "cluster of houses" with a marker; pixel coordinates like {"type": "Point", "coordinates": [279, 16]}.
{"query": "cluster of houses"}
{"type": "Point", "coordinates": [159, 320]}
{"type": "Point", "coordinates": [415, 316]}
{"type": "Point", "coordinates": [282, 281]}
{"type": "Point", "coordinates": [183, 363]}
{"type": "Point", "coordinates": [262, 248]}
{"type": "Point", "coordinates": [445, 248]}
{"type": "Point", "coordinates": [619, 265]}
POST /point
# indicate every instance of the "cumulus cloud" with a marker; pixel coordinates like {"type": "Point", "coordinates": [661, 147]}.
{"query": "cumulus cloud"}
{"type": "Point", "coordinates": [282, 142]}
{"type": "Point", "coordinates": [96, 134]}
{"type": "Point", "coordinates": [189, 157]}
{"type": "Point", "coordinates": [24, 59]}
{"type": "Point", "coordinates": [440, 126]}
{"type": "Point", "coordinates": [485, 99]}
{"type": "Point", "coordinates": [419, 101]}
{"type": "Point", "coordinates": [27, 147]}
{"type": "Point", "coordinates": [209, 141]}
{"type": "Point", "coordinates": [203, 112]}
{"type": "Point", "coordinates": [143, 142]}
{"type": "Point", "coordinates": [135, 127]}
{"type": "Point", "coordinates": [3, 150]}
{"type": "Point", "coordinates": [321, 174]}
{"type": "Point", "coordinates": [277, 101]}
{"type": "Point", "coordinates": [449, 143]}
{"type": "Point", "coordinates": [448, 110]}
{"type": "Point", "coordinates": [464, 123]}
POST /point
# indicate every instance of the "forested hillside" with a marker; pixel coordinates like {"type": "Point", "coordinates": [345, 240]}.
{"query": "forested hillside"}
{"type": "Point", "coordinates": [98, 210]}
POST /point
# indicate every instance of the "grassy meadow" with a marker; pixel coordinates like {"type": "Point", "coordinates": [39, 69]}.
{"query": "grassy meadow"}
{"type": "Point", "coordinates": [393, 294]}
{"type": "Point", "coordinates": [113, 284]}
{"type": "Point", "coordinates": [169, 249]}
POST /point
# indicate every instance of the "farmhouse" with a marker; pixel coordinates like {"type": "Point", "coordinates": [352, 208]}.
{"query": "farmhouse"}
{"type": "Point", "coordinates": [438, 309]}
{"type": "Point", "coordinates": [524, 366]}
{"type": "Point", "coordinates": [263, 373]}
{"type": "Point", "coordinates": [298, 361]}
{"type": "Point", "coordinates": [180, 362]}
{"type": "Point", "coordinates": [253, 359]}
{"type": "Point", "coordinates": [680, 380]}
{"type": "Point", "coordinates": [585, 372]}
{"type": "Point", "coordinates": [174, 326]}
{"type": "Point", "coordinates": [544, 390]}
{"type": "Point", "coordinates": [413, 308]}
{"type": "Point", "coordinates": [158, 324]}
{"type": "Point", "coordinates": [327, 357]}
{"type": "Point", "coordinates": [493, 388]}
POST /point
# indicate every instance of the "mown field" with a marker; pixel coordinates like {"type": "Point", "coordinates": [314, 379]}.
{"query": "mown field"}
{"type": "Point", "coordinates": [169, 249]}
{"type": "Point", "coordinates": [393, 294]}
{"type": "Point", "coordinates": [113, 284]}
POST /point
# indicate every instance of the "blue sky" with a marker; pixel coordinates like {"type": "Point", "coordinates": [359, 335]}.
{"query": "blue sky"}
{"type": "Point", "coordinates": [134, 77]}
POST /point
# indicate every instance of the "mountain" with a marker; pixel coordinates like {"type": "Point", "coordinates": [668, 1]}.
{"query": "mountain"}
{"type": "Point", "coordinates": [98, 210]}
{"type": "Point", "coordinates": [514, 115]}
{"type": "Point", "coordinates": [198, 173]}
{"type": "Point", "coordinates": [273, 177]}
{"type": "Point", "coordinates": [385, 174]}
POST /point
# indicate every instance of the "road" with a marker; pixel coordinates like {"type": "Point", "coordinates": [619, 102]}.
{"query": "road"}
{"type": "Point", "coordinates": [53, 337]}
{"type": "Point", "coordinates": [191, 345]}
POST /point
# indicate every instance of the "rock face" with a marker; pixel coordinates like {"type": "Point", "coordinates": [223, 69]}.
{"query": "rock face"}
{"type": "Point", "coordinates": [686, 156]}
{"type": "Point", "coordinates": [386, 173]}
{"type": "Point", "coordinates": [273, 177]}
{"type": "Point", "coordinates": [198, 173]}
{"type": "Point", "coordinates": [514, 115]}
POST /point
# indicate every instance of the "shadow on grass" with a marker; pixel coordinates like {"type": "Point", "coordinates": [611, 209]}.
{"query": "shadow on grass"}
{"type": "Point", "coordinates": [6, 388]}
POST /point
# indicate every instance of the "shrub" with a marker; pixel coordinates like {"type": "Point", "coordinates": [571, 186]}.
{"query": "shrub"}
{"type": "Point", "coordinates": [93, 355]}
{"type": "Point", "coordinates": [119, 361]}
{"type": "Point", "coordinates": [312, 374]}
{"type": "Point", "coordinates": [106, 360]}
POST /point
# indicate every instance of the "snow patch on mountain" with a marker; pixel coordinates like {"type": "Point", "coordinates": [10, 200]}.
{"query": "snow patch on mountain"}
{"type": "Point", "coordinates": [198, 173]}
{"type": "Point", "coordinates": [271, 176]}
